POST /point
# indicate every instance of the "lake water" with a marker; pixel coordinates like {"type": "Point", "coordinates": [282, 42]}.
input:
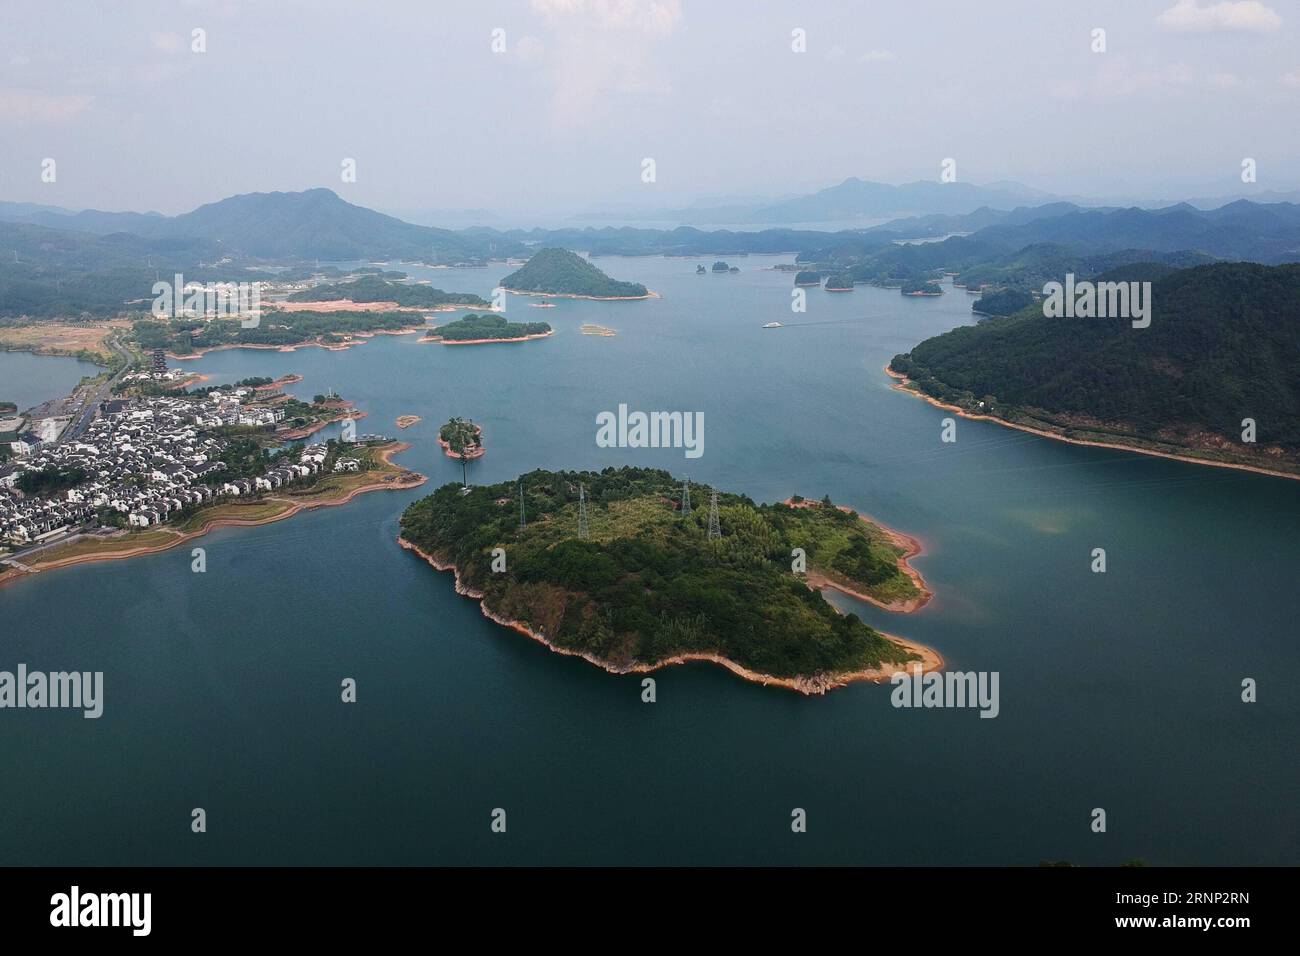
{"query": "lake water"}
{"type": "Point", "coordinates": [27, 379]}
{"type": "Point", "coordinates": [1118, 690]}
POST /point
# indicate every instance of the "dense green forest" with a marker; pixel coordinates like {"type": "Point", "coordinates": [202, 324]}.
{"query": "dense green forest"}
{"type": "Point", "coordinates": [375, 289]}
{"type": "Point", "coordinates": [49, 481]}
{"type": "Point", "coordinates": [647, 583]}
{"type": "Point", "coordinates": [562, 272]}
{"type": "Point", "coordinates": [1002, 302]}
{"type": "Point", "coordinates": [487, 327]}
{"type": "Point", "coordinates": [1223, 346]}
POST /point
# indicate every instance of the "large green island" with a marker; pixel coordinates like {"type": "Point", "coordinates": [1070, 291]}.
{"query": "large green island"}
{"type": "Point", "coordinates": [559, 272]}
{"type": "Point", "coordinates": [636, 584]}
{"type": "Point", "coordinates": [476, 329]}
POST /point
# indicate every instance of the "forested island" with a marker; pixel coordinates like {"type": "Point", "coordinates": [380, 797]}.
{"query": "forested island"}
{"type": "Point", "coordinates": [374, 289]}
{"type": "Point", "coordinates": [461, 438]}
{"type": "Point", "coordinates": [474, 329]}
{"type": "Point", "coordinates": [921, 287]}
{"type": "Point", "coordinates": [640, 583]}
{"type": "Point", "coordinates": [1223, 347]}
{"type": "Point", "coordinates": [560, 272]}
{"type": "Point", "coordinates": [843, 282]}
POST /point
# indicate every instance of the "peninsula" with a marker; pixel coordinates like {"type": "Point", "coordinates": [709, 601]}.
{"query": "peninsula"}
{"type": "Point", "coordinates": [559, 272]}
{"type": "Point", "coordinates": [1211, 381]}
{"type": "Point", "coordinates": [617, 568]}
{"type": "Point", "coordinates": [381, 294]}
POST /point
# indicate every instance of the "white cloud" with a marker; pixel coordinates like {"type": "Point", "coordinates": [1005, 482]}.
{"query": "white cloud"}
{"type": "Point", "coordinates": [30, 106]}
{"type": "Point", "coordinates": [166, 42]}
{"type": "Point", "coordinates": [836, 52]}
{"type": "Point", "coordinates": [1118, 80]}
{"type": "Point", "coordinates": [603, 48]}
{"type": "Point", "coordinates": [529, 48]}
{"type": "Point", "coordinates": [1225, 81]}
{"type": "Point", "coordinates": [652, 17]}
{"type": "Point", "coordinates": [1291, 80]}
{"type": "Point", "coordinates": [1247, 16]}
{"type": "Point", "coordinates": [876, 56]}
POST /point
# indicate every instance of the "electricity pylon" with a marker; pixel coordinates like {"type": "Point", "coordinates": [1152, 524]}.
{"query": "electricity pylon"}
{"type": "Point", "coordinates": [582, 512]}
{"type": "Point", "coordinates": [715, 530]}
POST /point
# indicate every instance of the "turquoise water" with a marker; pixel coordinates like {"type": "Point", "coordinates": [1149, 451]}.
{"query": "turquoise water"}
{"type": "Point", "coordinates": [1118, 690]}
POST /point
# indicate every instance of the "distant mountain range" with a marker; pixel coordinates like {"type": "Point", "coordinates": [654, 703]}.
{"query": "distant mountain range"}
{"type": "Point", "coordinates": [312, 224]}
{"type": "Point", "coordinates": [853, 199]}
{"type": "Point", "coordinates": [54, 261]}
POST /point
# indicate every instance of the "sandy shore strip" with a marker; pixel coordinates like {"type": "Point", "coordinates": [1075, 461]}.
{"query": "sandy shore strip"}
{"type": "Point", "coordinates": [931, 660]}
{"type": "Point", "coordinates": [519, 338]}
{"type": "Point", "coordinates": [406, 421]}
{"type": "Point", "coordinates": [349, 415]}
{"type": "Point", "coordinates": [294, 507]}
{"type": "Point", "coordinates": [911, 548]}
{"type": "Point", "coordinates": [903, 385]}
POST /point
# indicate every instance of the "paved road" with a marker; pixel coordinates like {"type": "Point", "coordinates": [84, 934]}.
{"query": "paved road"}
{"type": "Point", "coordinates": [89, 407]}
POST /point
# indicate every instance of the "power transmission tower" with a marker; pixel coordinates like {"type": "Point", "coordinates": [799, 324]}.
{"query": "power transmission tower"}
{"type": "Point", "coordinates": [523, 522]}
{"type": "Point", "coordinates": [715, 530]}
{"type": "Point", "coordinates": [582, 512]}
{"type": "Point", "coordinates": [686, 498]}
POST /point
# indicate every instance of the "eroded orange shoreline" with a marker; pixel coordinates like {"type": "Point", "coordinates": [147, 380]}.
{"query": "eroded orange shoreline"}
{"type": "Point", "coordinates": [10, 574]}
{"type": "Point", "coordinates": [518, 338]}
{"type": "Point", "coordinates": [902, 386]}
{"type": "Point", "coordinates": [911, 548]}
{"type": "Point", "coordinates": [930, 660]}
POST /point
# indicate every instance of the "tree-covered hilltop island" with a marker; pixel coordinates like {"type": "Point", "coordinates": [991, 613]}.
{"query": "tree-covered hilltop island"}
{"type": "Point", "coordinates": [840, 283]}
{"type": "Point", "coordinates": [806, 277]}
{"type": "Point", "coordinates": [921, 287]}
{"type": "Point", "coordinates": [613, 567]}
{"type": "Point", "coordinates": [559, 272]}
{"type": "Point", "coordinates": [474, 329]}
{"type": "Point", "coordinates": [461, 438]}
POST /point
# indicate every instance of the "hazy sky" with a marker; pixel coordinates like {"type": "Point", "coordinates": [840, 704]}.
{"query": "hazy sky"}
{"type": "Point", "coordinates": [710, 89]}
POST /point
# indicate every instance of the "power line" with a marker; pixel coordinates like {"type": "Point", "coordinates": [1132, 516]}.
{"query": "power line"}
{"type": "Point", "coordinates": [582, 512]}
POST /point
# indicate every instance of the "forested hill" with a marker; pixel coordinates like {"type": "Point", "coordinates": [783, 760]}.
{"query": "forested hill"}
{"type": "Point", "coordinates": [1223, 346]}
{"type": "Point", "coordinates": [561, 272]}
{"type": "Point", "coordinates": [375, 289]}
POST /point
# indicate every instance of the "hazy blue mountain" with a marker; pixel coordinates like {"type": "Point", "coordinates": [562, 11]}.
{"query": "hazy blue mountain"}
{"type": "Point", "coordinates": [860, 199]}
{"type": "Point", "coordinates": [313, 224]}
